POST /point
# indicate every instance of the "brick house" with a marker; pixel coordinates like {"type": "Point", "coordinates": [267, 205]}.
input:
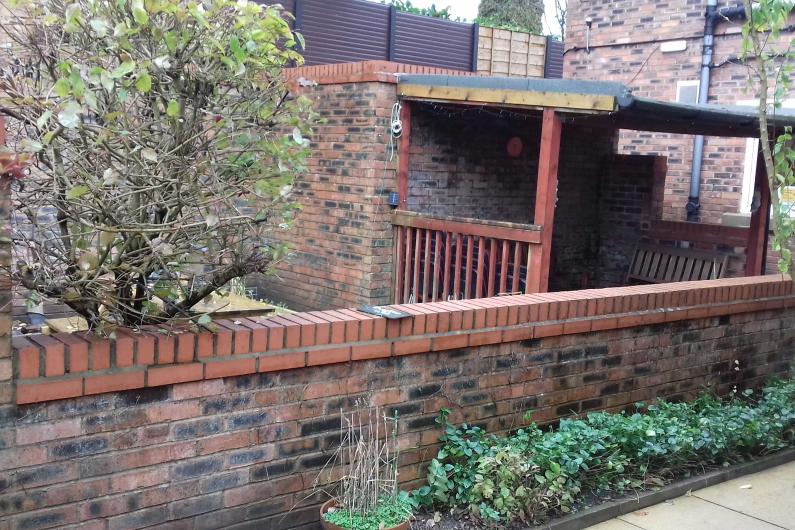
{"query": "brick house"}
{"type": "Point", "coordinates": [656, 48]}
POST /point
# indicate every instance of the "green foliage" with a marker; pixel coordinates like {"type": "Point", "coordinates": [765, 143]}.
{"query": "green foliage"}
{"type": "Point", "coordinates": [165, 143]}
{"type": "Point", "coordinates": [517, 15]}
{"type": "Point", "coordinates": [771, 58]}
{"type": "Point", "coordinates": [532, 474]}
{"type": "Point", "coordinates": [407, 7]}
{"type": "Point", "coordinates": [390, 512]}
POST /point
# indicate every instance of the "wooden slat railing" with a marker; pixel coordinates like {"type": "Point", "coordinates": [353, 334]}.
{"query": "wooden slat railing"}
{"type": "Point", "coordinates": [452, 258]}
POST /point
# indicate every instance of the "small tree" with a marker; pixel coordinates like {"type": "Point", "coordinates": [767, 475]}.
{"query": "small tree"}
{"type": "Point", "coordinates": [164, 145]}
{"type": "Point", "coordinates": [519, 14]}
{"type": "Point", "coordinates": [769, 58]}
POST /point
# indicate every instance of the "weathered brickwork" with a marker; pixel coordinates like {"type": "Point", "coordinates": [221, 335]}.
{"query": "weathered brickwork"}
{"type": "Point", "coordinates": [625, 38]}
{"type": "Point", "coordinates": [626, 206]}
{"type": "Point", "coordinates": [243, 451]}
{"type": "Point", "coordinates": [459, 166]}
{"type": "Point", "coordinates": [585, 153]}
{"type": "Point", "coordinates": [342, 240]}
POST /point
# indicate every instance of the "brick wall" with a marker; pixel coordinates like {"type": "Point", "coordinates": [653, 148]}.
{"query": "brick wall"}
{"type": "Point", "coordinates": [230, 429]}
{"type": "Point", "coordinates": [584, 158]}
{"type": "Point", "coordinates": [625, 206]}
{"type": "Point", "coordinates": [342, 240]}
{"type": "Point", "coordinates": [458, 164]}
{"type": "Point", "coordinates": [625, 39]}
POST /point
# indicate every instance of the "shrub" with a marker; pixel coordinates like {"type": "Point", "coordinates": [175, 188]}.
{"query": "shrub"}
{"type": "Point", "coordinates": [163, 143]}
{"type": "Point", "coordinates": [532, 474]}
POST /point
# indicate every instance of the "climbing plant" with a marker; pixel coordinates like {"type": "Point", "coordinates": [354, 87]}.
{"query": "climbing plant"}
{"type": "Point", "coordinates": [162, 143]}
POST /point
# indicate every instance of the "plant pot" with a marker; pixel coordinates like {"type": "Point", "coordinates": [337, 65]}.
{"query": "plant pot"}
{"type": "Point", "coordinates": [331, 503]}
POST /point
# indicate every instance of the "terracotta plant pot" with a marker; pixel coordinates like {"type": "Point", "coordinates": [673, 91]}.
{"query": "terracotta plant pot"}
{"type": "Point", "coordinates": [331, 503]}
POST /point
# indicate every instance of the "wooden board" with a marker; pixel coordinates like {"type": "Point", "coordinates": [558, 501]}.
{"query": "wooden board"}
{"type": "Point", "coordinates": [522, 98]}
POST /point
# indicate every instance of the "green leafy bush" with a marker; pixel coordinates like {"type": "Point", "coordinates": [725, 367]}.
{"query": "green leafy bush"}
{"type": "Point", "coordinates": [390, 512]}
{"type": "Point", "coordinates": [532, 474]}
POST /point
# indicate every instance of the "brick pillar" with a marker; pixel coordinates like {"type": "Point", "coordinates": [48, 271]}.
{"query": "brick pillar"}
{"type": "Point", "coordinates": [6, 365]}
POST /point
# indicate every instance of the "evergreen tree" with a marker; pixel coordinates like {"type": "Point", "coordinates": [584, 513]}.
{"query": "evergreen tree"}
{"type": "Point", "coordinates": [514, 14]}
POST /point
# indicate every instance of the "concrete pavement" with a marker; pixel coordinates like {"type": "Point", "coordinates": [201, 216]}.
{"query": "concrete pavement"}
{"type": "Point", "coordinates": [768, 504]}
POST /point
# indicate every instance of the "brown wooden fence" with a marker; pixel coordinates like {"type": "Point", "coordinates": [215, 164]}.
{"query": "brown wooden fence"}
{"type": "Point", "coordinates": [452, 258]}
{"type": "Point", "coordinates": [343, 31]}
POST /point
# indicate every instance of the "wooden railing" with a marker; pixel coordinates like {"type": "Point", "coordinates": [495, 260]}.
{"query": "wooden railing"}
{"type": "Point", "coordinates": [453, 258]}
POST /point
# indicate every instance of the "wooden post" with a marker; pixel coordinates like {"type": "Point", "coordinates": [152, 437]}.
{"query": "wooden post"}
{"type": "Point", "coordinates": [403, 155]}
{"type": "Point", "coordinates": [546, 197]}
{"type": "Point", "coordinates": [758, 231]}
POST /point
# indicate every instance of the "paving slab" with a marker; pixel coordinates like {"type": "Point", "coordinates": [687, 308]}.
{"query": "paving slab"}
{"type": "Point", "coordinates": [692, 513]}
{"type": "Point", "coordinates": [768, 504]}
{"type": "Point", "coordinates": [614, 524]}
{"type": "Point", "coordinates": [768, 495]}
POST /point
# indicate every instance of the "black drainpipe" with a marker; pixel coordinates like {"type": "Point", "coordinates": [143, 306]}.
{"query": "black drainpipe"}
{"type": "Point", "coordinates": [712, 16]}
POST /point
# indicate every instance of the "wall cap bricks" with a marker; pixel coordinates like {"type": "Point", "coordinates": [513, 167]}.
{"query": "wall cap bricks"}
{"type": "Point", "coordinates": [51, 367]}
{"type": "Point", "coordinates": [360, 72]}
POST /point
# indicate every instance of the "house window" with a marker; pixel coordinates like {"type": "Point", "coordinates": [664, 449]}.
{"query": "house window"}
{"type": "Point", "coordinates": [749, 166]}
{"type": "Point", "coordinates": [687, 91]}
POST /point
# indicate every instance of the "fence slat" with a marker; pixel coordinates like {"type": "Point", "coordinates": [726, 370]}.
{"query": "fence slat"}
{"type": "Point", "coordinates": [447, 249]}
{"type": "Point", "coordinates": [426, 269]}
{"type": "Point", "coordinates": [504, 268]}
{"type": "Point", "coordinates": [459, 252]}
{"type": "Point", "coordinates": [481, 265]}
{"type": "Point", "coordinates": [436, 259]}
{"type": "Point", "coordinates": [492, 267]}
{"type": "Point", "coordinates": [407, 265]}
{"type": "Point", "coordinates": [527, 288]}
{"type": "Point", "coordinates": [399, 257]}
{"type": "Point", "coordinates": [417, 264]}
{"type": "Point", "coordinates": [468, 279]}
{"type": "Point", "coordinates": [517, 265]}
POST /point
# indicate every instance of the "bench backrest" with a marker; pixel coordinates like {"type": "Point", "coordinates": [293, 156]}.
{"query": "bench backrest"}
{"type": "Point", "coordinates": [658, 264]}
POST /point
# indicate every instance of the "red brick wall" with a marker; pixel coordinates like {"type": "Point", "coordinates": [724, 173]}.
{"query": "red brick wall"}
{"type": "Point", "coordinates": [214, 430]}
{"type": "Point", "coordinates": [342, 239]}
{"type": "Point", "coordinates": [625, 38]}
{"type": "Point", "coordinates": [625, 206]}
{"type": "Point", "coordinates": [458, 164]}
{"type": "Point", "coordinates": [584, 158]}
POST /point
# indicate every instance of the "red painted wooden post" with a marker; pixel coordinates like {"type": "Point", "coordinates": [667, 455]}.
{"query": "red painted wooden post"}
{"type": "Point", "coordinates": [757, 233]}
{"type": "Point", "coordinates": [403, 155]}
{"type": "Point", "coordinates": [546, 196]}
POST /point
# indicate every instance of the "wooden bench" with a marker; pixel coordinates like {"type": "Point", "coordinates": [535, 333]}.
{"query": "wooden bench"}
{"type": "Point", "coordinates": [659, 264]}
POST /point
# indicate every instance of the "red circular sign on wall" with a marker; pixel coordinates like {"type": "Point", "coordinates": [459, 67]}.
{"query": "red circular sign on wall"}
{"type": "Point", "coordinates": [514, 147]}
